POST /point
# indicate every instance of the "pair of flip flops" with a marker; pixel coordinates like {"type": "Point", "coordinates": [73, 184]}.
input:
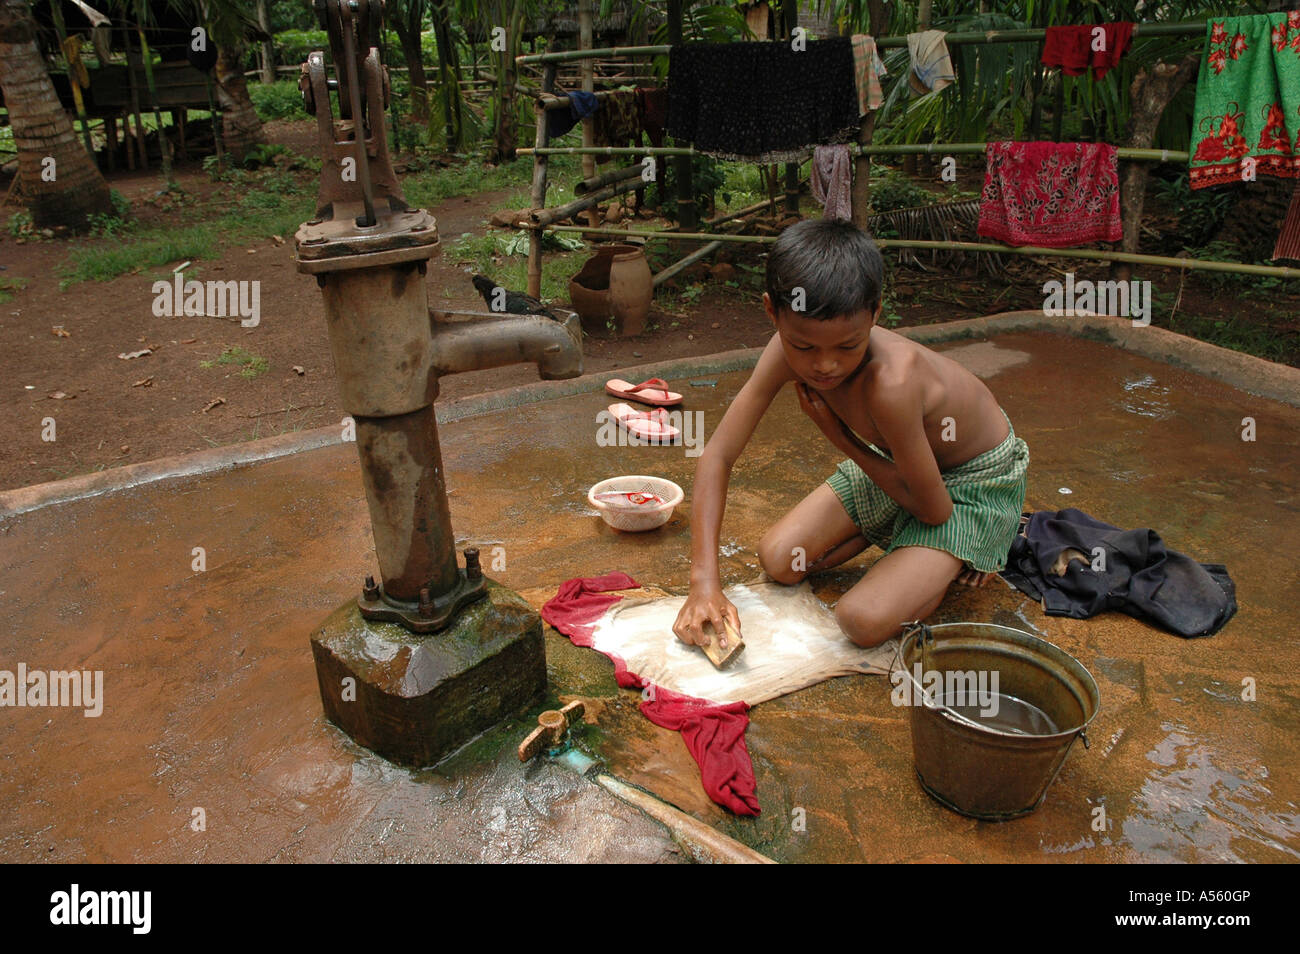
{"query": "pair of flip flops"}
{"type": "Point", "coordinates": [653, 425]}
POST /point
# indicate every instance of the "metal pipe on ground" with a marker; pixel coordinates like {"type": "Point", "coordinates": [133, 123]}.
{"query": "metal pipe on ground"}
{"type": "Point", "coordinates": [701, 841]}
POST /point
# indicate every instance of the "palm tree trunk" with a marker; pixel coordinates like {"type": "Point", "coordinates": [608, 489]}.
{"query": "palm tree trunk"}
{"type": "Point", "coordinates": [267, 57]}
{"type": "Point", "coordinates": [72, 189]}
{"type": "Point", "coordinates": [241, 126]}
{"type": "Point", "coordinates": [1149, 94]}
{"type": "Point", "coordinates": [406, 23]}
{"type": "Point", "coordinates": [448, 76]}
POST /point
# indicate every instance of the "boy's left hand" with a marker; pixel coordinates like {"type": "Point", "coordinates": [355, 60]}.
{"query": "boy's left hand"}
{"type": "Point", "coordinates": [812, 404]}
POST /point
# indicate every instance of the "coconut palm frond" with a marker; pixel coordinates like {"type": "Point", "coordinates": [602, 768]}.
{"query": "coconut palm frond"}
{"type": "Point", "coordinates": [940, 222]}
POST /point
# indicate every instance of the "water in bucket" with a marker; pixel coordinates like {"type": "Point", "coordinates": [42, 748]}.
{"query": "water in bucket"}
{"type": "Point", "coordinates": [1009, 714]}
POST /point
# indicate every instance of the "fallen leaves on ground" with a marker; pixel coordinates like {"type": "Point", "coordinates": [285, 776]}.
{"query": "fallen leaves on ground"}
{"type": "Point", "coordinates": [215, 402]}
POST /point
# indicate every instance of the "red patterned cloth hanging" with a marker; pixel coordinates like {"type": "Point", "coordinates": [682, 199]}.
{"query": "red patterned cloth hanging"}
{"type": "Point", "coordinates": [1054, 194]}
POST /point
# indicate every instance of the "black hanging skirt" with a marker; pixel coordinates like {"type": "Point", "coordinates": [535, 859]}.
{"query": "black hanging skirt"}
{"type": "Point", "coordinates": [762, 102]}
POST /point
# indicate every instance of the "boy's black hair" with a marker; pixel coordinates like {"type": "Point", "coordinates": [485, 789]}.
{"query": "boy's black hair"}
{"type": "Point", "coordinates": [836, 264]}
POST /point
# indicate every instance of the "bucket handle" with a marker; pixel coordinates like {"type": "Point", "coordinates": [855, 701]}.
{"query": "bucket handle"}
{"type": "Point", "coordinates": [926, 640]}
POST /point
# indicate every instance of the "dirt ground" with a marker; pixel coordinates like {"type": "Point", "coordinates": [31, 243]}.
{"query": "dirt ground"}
{"type": "Point", "coordinates": [61, 355]}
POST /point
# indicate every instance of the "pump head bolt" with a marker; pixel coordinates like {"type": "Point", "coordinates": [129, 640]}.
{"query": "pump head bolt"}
{"type": "Point", "coordinates": [426, 602]}
{"type": "Point", "coordinates": [370, 591]}
{"type": "Point", "coordinates": [472, 569]}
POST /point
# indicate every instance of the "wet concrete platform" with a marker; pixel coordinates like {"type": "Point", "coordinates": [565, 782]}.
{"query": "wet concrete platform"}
{"type": "Point", "coordinates": [210, 699]}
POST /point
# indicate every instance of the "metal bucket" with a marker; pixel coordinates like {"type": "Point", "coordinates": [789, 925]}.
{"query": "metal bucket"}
{"type": "Point", "coordinates": [969, 767]}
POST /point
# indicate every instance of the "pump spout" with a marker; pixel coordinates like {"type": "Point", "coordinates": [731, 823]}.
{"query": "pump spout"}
{"type": "Point", "coordinates": [491, 342]}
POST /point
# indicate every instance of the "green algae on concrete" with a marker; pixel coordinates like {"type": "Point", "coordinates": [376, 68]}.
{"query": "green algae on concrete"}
{"type": "Point", "coordinates": [415, 699]}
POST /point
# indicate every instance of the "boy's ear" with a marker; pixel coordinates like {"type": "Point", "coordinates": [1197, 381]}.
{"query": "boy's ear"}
{"type": "Point", "coordinates": [767, 306]}
{"type": "Point", "coordinates": [875, 316]}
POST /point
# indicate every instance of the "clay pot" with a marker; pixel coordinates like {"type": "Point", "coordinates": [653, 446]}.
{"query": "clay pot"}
{"type": "Point", "coordinates": [614, 283]}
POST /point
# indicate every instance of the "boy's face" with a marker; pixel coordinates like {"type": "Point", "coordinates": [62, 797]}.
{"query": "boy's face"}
{"type": "Point", "coordinates": [823, 352]}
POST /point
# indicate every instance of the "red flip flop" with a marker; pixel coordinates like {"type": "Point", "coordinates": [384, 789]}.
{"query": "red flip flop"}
{"type": "Point", "coordinates": [650, 426]}
{"type": "Point", "coordinates": [651, 391]}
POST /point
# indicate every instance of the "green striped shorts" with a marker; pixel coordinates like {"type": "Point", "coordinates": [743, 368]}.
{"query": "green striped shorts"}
{"type": "Point", "coordinates": [988, 493]}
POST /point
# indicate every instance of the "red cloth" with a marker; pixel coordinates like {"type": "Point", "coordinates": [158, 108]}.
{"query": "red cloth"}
{"type": "Point", "coordinates": [1055, 194]}
{"type": "Point", "coordinates": [1070, 48]}
{"type": "Point", "coordinates": [714, 734]}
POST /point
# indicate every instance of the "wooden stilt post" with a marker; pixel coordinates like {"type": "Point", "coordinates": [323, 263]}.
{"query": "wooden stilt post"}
{"type": "Point", "coordinates": [687, 215]}
{"type": "Point", "coordinates": [588, 85]}
{"type": "Point", "coordinates": [538, 196]}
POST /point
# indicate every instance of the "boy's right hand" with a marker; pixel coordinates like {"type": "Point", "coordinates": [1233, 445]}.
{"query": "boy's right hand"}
{"type": "Point", "coordinates": [705, 605]}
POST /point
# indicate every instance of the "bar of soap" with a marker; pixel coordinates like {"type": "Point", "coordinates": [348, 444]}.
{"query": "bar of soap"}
{"type": "Point", "coordinates": [721, 658]}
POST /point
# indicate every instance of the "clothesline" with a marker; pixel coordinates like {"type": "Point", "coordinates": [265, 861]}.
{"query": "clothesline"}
{"type": "Point", "coordinates": [963, 148]}
{"type": "Point", "coordinates": [1194, 28]}
{"type": "Point", "coordinates": [1097, 255]}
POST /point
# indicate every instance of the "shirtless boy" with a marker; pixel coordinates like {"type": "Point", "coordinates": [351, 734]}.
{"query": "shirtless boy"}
{"type": "Point", "coordinates": [935, 475]}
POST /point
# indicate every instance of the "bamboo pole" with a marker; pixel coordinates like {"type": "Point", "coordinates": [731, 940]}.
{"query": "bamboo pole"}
{"type": "Point", "coordinates": [544, 217]}
{"type": "Point", "coordinates": [739, 213]}
{"type": "Point", "coordinates": [1099, 255]}
{"type": "Point", "coordinates": [135, 100]}
{"type": "Point", "coordinates": [665, 234]}
{"type": "Point", "coordinates": [932, 148]}
{"type": "Point", "coordinates": [605, 178]}
{"type": "Point", "coordinates": [686, 262]}
{"type": "Point", "coordinates": [1194, 28]}
{"type": "Point", "coordinates": [609, 151]}
{"type": "Point", "coordinates": [610, 51]}
{"type": "Point", "coordinates": [588, 86]}
{"type": "Point", "coordinates": [538, 194]}
{"type": "Point", "coordinates": [963, 148]}
{"type": "Point", "coordinates": [146, 58]}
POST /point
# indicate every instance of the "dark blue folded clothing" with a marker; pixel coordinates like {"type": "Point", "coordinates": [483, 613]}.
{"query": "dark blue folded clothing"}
{"type": "Point", "coordinates": [1136, 574]}
{"type": "Point", "coordinates": [762, 102]}
{"type": "Point", "coordinates": [560, 121]}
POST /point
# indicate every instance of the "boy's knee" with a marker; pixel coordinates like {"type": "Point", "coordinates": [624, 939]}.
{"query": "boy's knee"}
{"type": "Point", "coordinates": [864, 627]}
{"type": "Point", "coordinates": [780, 561]}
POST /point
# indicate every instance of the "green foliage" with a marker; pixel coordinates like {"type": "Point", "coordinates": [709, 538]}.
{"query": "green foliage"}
{"type": "Point", "coordinates": [894, 190]}
{"type": "Point", "coordinates": [293, 46]}
{"type": "Point", "coordinates": [290, 15]}
{"type": "Point", "coordinates": [278, 100]}
{"type": "Point", "coordinates": [1238, 283]}
{"type": "Point", "coordinates": [518, 243]}
{"type": "Point", "coordinates": [20, 223]}
{"type": "Point", "coordinates": [1200, 212]}
{"type": "Point", "coordinates": [742, 186]}
{"type": "Point", "coordinates": [250, 365]}
{"type": "Point", "coordinates": [709, 23]}
{"type": "Point", "coordinates": [1238, 334]}
{"type": "Point", "coordinates": [708, 175]}
{"type": "Point", "coordinates": [272, 201]}
{"type": "Point", "coordinates": [262, 154]}
{"type": "Point", "coordinates": [10, 285]}
{"type": "Point", "coordinates": [106, 262]}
